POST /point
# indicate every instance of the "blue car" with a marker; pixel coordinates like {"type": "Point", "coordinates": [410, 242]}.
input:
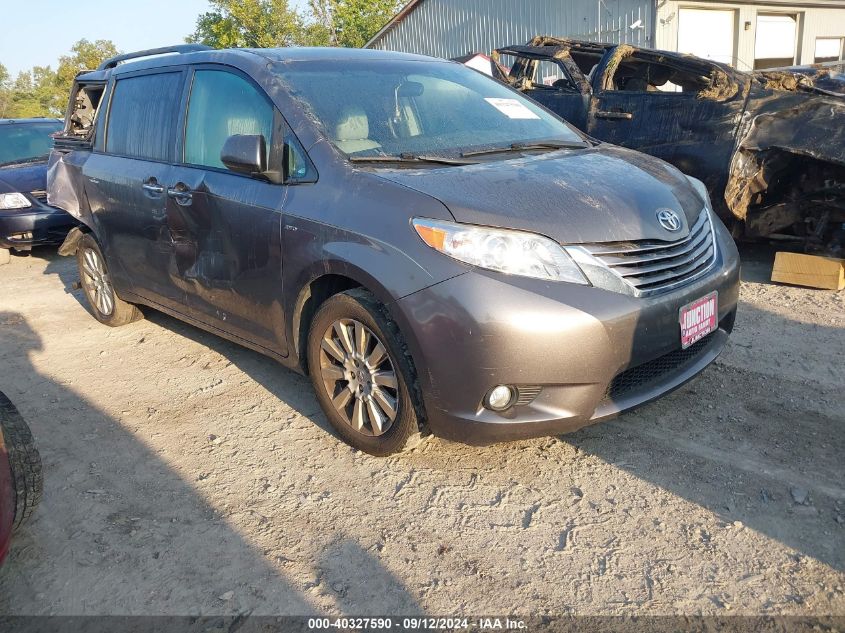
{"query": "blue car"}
{"type": "Point", "coordinates": [26, 220]}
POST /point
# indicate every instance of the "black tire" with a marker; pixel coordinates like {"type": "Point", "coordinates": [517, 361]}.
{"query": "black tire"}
{"type": "Point", "coordinates": [5, 256]}
{"type": "Point", "coordinates": [361, 306]}
{"type": "Point", "coordinates": [102, 298]}
{"type": "Point", "coordinates": [27, 476]}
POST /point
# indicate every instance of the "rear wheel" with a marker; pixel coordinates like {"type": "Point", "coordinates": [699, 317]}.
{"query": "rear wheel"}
{"type": "Point", "coordinates": [5, 256]}
{"type": "Point", "coordinates": [25, 462]}
{"type": "Point", "coordinates": [106, 306]}
{"type": "Point", "coordinates": [361, 374]}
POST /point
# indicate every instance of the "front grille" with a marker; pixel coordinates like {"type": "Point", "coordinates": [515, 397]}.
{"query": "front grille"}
{"type": "Point", "coordinates": [655, 370]}
{"type": "Point", "coordinates": [39, 195]}
{"type": "Point", "coordinates": [650, 266]}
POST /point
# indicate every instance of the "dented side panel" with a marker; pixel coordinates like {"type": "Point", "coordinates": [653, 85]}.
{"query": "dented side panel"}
{"type": "Point", "coordinates": [226, 252]}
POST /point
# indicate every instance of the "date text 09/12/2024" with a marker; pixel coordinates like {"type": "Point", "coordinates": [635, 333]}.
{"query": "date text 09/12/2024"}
{"type": "Point", "coordinates": [417, 624]}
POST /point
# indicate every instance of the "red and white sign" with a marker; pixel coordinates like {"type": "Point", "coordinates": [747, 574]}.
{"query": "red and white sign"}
{"type": "Point", "coordinates": [699, 318]}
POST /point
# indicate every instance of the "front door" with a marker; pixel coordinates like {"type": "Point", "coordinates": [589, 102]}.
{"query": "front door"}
{"type": "Point", "coordinates": [552, 87]}
{"type": "Point", "coordinates": [126, 185]}
{"type": "Point", "coordinates": [226, 227]}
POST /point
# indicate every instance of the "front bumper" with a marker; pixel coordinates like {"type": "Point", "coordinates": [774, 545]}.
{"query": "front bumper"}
{"type": "Point", "coordinates": [593, 353]}
{"type": "Point", "coordinates": [40, 225]}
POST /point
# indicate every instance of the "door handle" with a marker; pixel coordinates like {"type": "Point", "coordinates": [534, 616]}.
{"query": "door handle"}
{"type": "Point", "coordinates": [181, 194]}
{"type": "Point", "coordinates": [606, 114]}
{"type": "Point", "coordinates": [152, 186]}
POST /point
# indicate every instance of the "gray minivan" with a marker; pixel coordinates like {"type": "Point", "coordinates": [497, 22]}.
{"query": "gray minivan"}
{"type": "Point", "coordinates": [435, 250]}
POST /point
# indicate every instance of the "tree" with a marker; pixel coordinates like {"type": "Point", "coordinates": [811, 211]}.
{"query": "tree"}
{"type": "Point", "coordinates": [5, 91]}
{"type": "Point", "coordinates": [44, 92]}
{"type": "Point", "coordinates": [272, 23]}
{"type": "Point", "coordinates": [349, 23]}
{"type": "Point", "coordinates": [356, 21]}
{"type": "Point", "coordinates": [249, 23]}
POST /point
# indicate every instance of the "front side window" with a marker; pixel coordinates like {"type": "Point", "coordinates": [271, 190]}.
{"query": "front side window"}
{"type": "Point", "coordinates": [548, 74]}
{"type": "Point", "coordinates": [26, 142]}
{"type": "Point", "coordinates": [638, 74]}
{"type": "Point", "coordinates": [143, 115]}
{"type": "Point", "coordinates": [223, 104]}
{"type": "Point", "coordinates": [425, 108]}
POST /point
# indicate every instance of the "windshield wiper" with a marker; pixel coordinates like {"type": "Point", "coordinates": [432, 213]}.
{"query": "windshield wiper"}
{"type": "Point", "coordinates": [411, 158]}
{"type": "Point", "coordinates": [25, 161]}
{"type": "Point", "coordinates": [522, 147]}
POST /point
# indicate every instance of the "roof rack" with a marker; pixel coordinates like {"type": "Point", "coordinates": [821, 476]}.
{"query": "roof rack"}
{"type": "Point", "coordinates": [111, 62]}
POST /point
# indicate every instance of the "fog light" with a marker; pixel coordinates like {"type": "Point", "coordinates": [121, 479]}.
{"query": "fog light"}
{"type": "Point", "coordinates": [499, 398]}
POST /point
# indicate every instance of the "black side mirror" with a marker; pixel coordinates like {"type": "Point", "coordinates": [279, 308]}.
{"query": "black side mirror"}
{"type": "Point", "coordinates": [245, 154]}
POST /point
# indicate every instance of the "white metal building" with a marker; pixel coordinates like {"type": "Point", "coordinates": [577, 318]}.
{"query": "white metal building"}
{"type": "Point", "coordinates": [749, 34]}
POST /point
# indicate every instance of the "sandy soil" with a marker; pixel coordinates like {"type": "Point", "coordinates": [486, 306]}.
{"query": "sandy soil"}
{"type": "Point", "coordinates": [186, 475]}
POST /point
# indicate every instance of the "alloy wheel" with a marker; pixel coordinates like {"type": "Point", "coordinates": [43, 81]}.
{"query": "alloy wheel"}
{"type": "Point", "coordinates": [359, 377]}
{"type": "Point", "coordinates": [97, 281]}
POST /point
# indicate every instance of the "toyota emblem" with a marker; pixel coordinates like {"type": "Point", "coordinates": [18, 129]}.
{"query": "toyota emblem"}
{"type": "Point", "coordinates": [669, 220]}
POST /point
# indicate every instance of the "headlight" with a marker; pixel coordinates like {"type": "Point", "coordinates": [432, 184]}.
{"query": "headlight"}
{"type": "Point", "coordinates": [13, 201]}
{"type": "Point", "coordinates": [502, 250]}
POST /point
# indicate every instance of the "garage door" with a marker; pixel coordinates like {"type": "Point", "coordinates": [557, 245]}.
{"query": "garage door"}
{"type": "Point", "coordinates": [775, 41]}
{"type": "Point", "coordinates": [707, 33]}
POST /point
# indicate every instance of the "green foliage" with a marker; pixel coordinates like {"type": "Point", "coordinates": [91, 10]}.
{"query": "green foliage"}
{"type": "Point", "coordinates": [42, 91]}
{"type": "Point", "coordinates": [356, 21]}
{"type": "Point", "coordinates": [273, 23]}
{"type": "Point", "coordinates": [249, 23]}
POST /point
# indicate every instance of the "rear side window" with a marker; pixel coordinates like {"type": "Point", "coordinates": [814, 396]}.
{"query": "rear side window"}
{"type": "Point", "coordinates": [143, 115]}
{"type": "Point", "coordinates": [223, 104]}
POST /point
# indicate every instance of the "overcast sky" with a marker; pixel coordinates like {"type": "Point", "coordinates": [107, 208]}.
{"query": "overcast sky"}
{"type": "Point", "coordinates": [37, 32]}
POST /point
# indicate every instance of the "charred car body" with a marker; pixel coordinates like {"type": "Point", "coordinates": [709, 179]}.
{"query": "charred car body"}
{"type": "Point", "coordinates": [370, 218]}
{"type": "Point", "coordinates": [26, 220]}
{"type": "Point", "coordinates": [769, 145]}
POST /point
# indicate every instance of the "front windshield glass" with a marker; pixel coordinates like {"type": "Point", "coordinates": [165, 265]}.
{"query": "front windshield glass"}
{"type": "Point", "coordinates": [391, 108]}
{"type": "Point", "coordinates": [26, 142]}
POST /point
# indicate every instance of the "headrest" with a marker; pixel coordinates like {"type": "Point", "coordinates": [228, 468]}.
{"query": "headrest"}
{"type": "Point", "coordinates": [353, 125]}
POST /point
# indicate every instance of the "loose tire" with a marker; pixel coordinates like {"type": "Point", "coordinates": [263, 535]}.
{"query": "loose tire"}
{"type": "Point", "coordinates": [27, 477]}
{"type": "Point", "coordinates": [361, 373]}
{"type": "Point", "coordinates": [105, 305]}
{"type": "Point", "coordinates": [5, 256]}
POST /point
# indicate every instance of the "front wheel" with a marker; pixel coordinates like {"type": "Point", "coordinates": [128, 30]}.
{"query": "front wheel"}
{"type": "Point", "coordinates": [361, 373]}
{"type": "Point", "coordinates": [106, 306]}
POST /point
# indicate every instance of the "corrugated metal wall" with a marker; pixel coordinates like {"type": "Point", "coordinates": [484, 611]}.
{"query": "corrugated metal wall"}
{"type": "Point", "coordinates": [449, 28]}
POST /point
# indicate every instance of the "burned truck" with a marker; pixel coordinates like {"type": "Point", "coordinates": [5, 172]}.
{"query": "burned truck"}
{"type": "Point", "coordinates": [769, 145]}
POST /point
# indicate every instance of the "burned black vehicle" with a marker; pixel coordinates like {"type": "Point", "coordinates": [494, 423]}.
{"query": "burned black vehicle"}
{"type": "Point", "coordinates": [769, 145]}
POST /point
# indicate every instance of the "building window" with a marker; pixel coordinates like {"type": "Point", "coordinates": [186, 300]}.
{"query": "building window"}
{"type": "Point", "coordinates": [829, 49]}
{"type": "Point", "coordinates": [776, 40]}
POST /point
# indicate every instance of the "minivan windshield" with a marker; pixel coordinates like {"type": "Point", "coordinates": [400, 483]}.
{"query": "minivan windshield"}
{"type": "Point", "coordinates": [26, 142]}
{"type": "Point", "coordinates": [420, 109]}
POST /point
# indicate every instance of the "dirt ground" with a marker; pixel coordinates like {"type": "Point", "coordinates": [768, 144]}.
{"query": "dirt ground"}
{"type": "Point", "coordinates": [186, 475]}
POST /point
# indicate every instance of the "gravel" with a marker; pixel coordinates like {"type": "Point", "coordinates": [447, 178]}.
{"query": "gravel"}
{"type": "Point", "coordinates": [186, 475]}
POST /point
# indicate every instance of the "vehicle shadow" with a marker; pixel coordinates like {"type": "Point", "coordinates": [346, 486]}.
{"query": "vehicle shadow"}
{"type": "Point", "coordinates": [756, 439]}
{"type": "Point", "coordinates": [123, 531]}
{"type": "Point", "coordinates": [287, 385]}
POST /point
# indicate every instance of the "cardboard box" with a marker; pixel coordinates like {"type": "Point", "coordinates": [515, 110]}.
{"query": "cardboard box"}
{"type": "Point", "coordinates": [809, 270]}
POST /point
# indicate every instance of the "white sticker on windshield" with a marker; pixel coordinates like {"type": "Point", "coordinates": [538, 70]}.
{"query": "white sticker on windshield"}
{"type": "Point", "coordinates": [512, 108]}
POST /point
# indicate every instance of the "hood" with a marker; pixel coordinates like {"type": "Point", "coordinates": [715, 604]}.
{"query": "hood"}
{"type": "Point", "coordinates": [23, 178]}
{"type": "Point", "coordinates": [603, 194]}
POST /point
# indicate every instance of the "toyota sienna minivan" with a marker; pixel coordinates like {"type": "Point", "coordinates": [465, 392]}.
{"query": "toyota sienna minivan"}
{"type": "Point", "coordinates": [436, 251]}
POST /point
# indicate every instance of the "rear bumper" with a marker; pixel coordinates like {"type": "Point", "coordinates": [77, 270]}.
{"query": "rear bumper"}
{"type": "Point", "coordinates": [583, 353]}
{"type": "Point", "coordinates": [22, 230]}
